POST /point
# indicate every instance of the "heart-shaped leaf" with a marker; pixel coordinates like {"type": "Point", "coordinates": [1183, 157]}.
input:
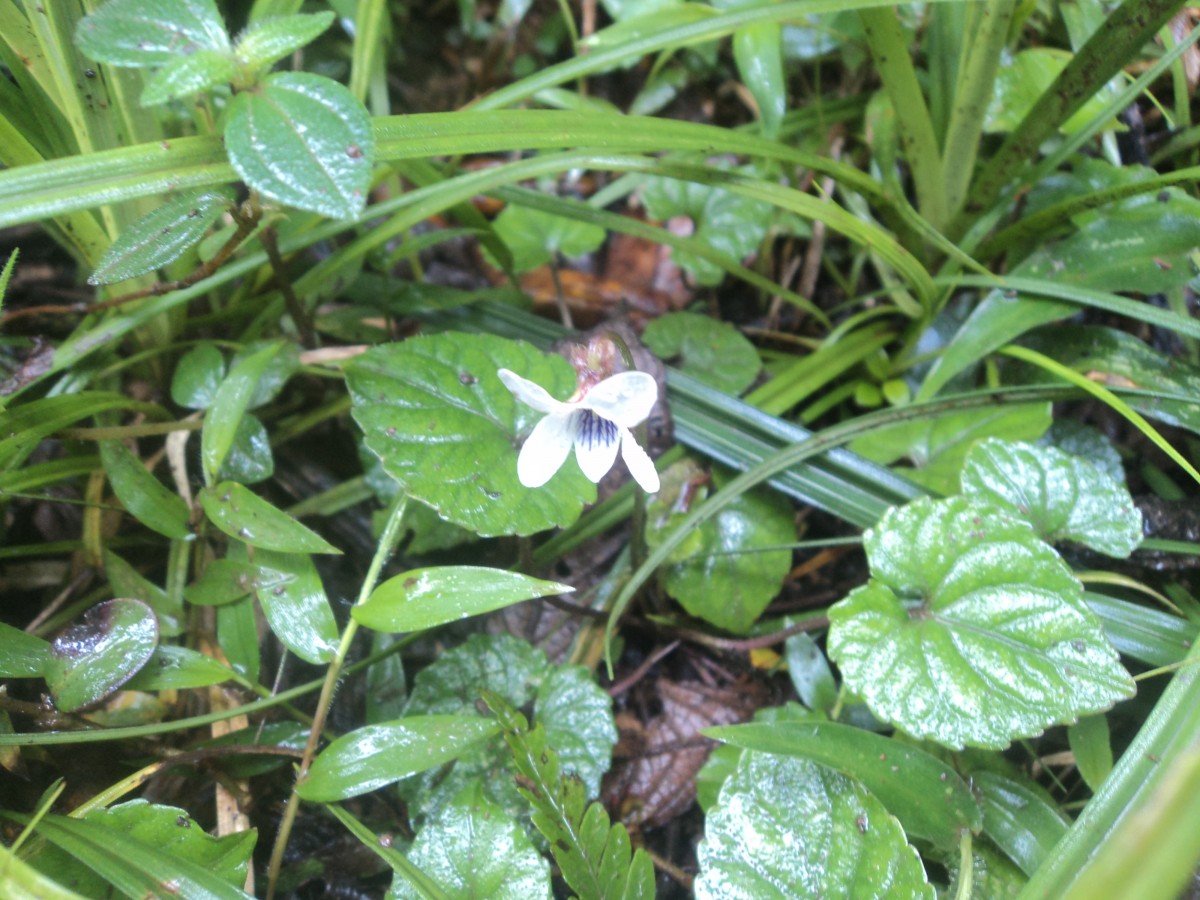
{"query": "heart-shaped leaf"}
{"type": "Point", "coordinates": [707, 349]}
{"type": "Point", "coordinates": [1064, 497]}
{"type": "Point", "coordinates": [971, 630]}
{"type": "Point", "coordinates": [150, 32]}
{"type": "Point", "coordinates": [436, 413]}
{"type": "Point", "coordinates": [92, 658]}
{"type": "Point", "coordinates": [242, 514]}
{"type": "Point", "coordinates": [304, 141]}
{"type": "Point", "coordinates": [535, 238]}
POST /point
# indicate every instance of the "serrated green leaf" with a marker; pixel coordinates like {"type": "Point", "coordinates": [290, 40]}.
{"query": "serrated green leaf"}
{"type": "Point", "coordinates": [708, 349]}
{"type": "Point", "coordinates": [143, 495]}
{"type": "Point", "coordinates": [787, 827]}
{"type": "Point", "coordinates": [178, 668]}
{"type": "Point", "coordinates": [142, 33]}
{"type": "Point", "coordinates": [378, 755]}
{"type": "Point", "coordinates": [230, 402]}
{"type": "Point", "coordinates": [1072, 436]}
{"type": "Point", "coordinates": [1064, 497]}
{"type": "Point", "coordinates": [472, 849]}
{"type": "Point", "coordinates": [181, 78]}
{"type": "Point", "coordinates": [241, 514]}
{"type": "Point", "coordinates": [925, 794]}
{"type": "Point", "coordinates": [22, 655]}
{"type": "Point", "coordinates": [197, 376]}
{"type": "Point", "coordinates": [161, 236]}
{"type": "Point", "coordinates": [535, 238]}
{"type": "Point", "coordinates": [266, 41]}
{"type": "Point", "coordinates": [294, 603]}
{"type": "Point", "coordinates": [436, 413]}
{"type": "Point", "coordinates": [94, 657]}
{"type": "Point", "coordinates": [425, 598]}
{"type": "Point", "coordinates": [971, 629]}
{"type": "Point", "coordinates": [304, 141]}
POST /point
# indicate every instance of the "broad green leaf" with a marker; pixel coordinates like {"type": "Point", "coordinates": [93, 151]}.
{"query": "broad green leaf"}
{"type": "Point", "coordinates": [1019, 819]}
{"type": "Point", "coordinates": [267, 41]}
{"type": "Point", "coordinates": [424, 598]}
{"type": "Point", "coordinates": [223, 581]}
{"type": "Point", "coordinates": [1021, 81]}
{"type": "Point", "coordinates": [447, 429]}
{"type": "Point", "coordinates": [735, 562]}
{"type": "Point", "coordinates": [937, 448]}
{"type": "Point", "coordinates": [161, 236]}
{"type": "Point", "coordinates": [924, 793]}
{"type": "Point", "coordinates": [1064, 497]}
{"type": "Point", "coordinates": [241, 514]}
{"type": "Point", "coordinates": [229, 405]}
{"type": "Point", "coordinates": [282, 366]}
{"type": "Point", "coordinates": [758, 52]}
{"type": "Point", "coordinates": [294, 602]}
{"type": "Point", "coordinates": [197, 377]}
{"type": "Point", "coordinates": [708, 349]}
{"type": "Point", "coordinates": [178, 668]}
{"type": "Point", "coordinates": [472, 849]}
{"type": "Point", "coordinates": [126, 581]}
{"type": "Point", "coordinates": [184, 77]}
{"type": "Point", "coordinates": [22, 655]}
{"type": "Point", "coordinates": [250, 460]}
{"type": "Point", "coordinates": [378, 755]}
{"type": "Point", "coordinates": [1072, 436]}
{"type": "Point", "coordinates": [143, 495]}
{"type": "Point", "coordinates": [151, 32]}
{"type": "Point", "coordinates": [971, 630]}
{"type": "Point", "coordinates": [535, 238]}
{"type": "Point", "coordinates": [304, 141]}
{"type": "Point", "coordinates": [1091, 743]}
{"type": "Point", "coordinates": [723, 760]}
{"type": "Point", "coordinates": [94, 657]}
{"type": "Point", "coordinates": [787, 827]}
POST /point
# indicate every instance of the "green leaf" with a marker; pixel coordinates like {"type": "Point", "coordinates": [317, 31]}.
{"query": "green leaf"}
{"type": "Point", "coordinates": [150, 32]}
{"type": "Point", "coordinates": [708, 349]}
{"type": "Point", "coordinates": [971, 629]}
{"type": "Point", "coordinates": [904, 778]}
{"type": "Point", "coordinates": [1072, 436]}
{"type": "Point", "coordinates": [1064, 497]}
{"type": "Point", "coordinates": [1090, 742]}
{"type": "Point", "coordinates": [472, 849]}
{"type": "Point", "coordinates": [446, 428]}
{"type": "Point", "coordinates": [787, 827]}
{"type": "Point", "coordinates": [126, 581]}
{"type": "Point", "coordinates": [237, 636]}
{"type": "Point", "coordinates": [378, 755]}
{"type": "Point", "coordinates": [424, 598]}
{"type": "Point", "coordinates": [303, 141]}
{"type": "Point", "coordinates": [535, 238]}
{"type": "Point", "coordinates": [229, 405]}
{"type": "Point", "coordinates": [223, 581]}
{"type": "Point", "coordinates": [22, 655]}
{"type": "Point", "coordinates": [1019, 819]}
{"type": "Point", "coordinates": [143, 495]}
{"type": "Point", "coordinates": [241, 514]}
{"type": "Point", "coordinates": [266, 41]}
{"type": "Point", "coordinates": [758, 52]}
{"type": "Point", "coordinates": [161, 236]}
{"type": "Point", "coordinates": [21, 881]}
{"type": "Point", "coordinates": [282, 366]}
{"type": "Point", "coordinates": [1020, 83]}
{"type": "Point", "coordinates": [197, 377]}
{"type": "Point", "coordinates": [809, 672]}
{"type": "Point", "coordinates": [294, 602]}
{"type": "Point", "coordinates": [735, 562]}
{"type": "Point", "coordinates": [250, 460]}
{"type": "Point", "coordinates": [22, 428]}
{"type": "Point", "coordinates": [178, 668]}
{"type": "Point", "coordinates": [93, 658]}
{"type": "Point", "coordinates": [181, 78]}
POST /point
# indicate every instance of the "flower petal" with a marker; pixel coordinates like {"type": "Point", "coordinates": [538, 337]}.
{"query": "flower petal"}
{"type": "Point", "coordinates": [625, 398]}
{"type": "Point", "coordinates": [596, 443]}
{"type": "Point", "coordinates": [530, 393]}
{"type": "Point", "coordinates": [641, 467]}
{"type": "Point", "coordinates": [545, 449]}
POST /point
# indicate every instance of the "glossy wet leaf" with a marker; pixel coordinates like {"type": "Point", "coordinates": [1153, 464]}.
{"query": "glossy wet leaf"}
{"type": "Point", "coordinates": [472, 849]}
{"type": "Point", "coordinates": [786, 827]}
{"type": "Point", "coordinates": [223, 581]}
{"type": "Point", "coordinates": [150, 32]}
{"type": "Point", "coordinates": [242, 514]}
{"type": "Point", "coordinates": [735, 562]}
{"type": "Point", "coordinates": [423, 598]}
{"type": "Point", "coordinates": [294, 602]}
{"type": "Point", "coordinates": [1071, 436]}
{"type": "Point", "coordinates": [971, 630]}
{"type": "Point", "coordinates": [708, 349]}
{"type": "Point", "coordinates": [924, 793]}
{"type": "Point", "coordinates": [809, 672]}
{"type": "Point", "coordinates": [280, 367]}
{"type": "Point", "coordinates": [378, 755]}
{"type": "Point", "coordinates": [230, 402]}
{"type": "Point", "coordinates": [534, 238]}
{"type": "Point", "coordinates": [1019, 819]}
{"type": "Point", "coordinates": [250, 460]}
{"type": "Point", "coordinates": [304, 141]}
{"type": "Point", "coordinates": [161, 236]}
{"type": "Point", "coordinates": [237, 636]}
{"type": "Point", "coordinates": [143, 495]}
{"type": "Point", "coordinates": [178, 668]}
{"type": "Point", "coordinates": [447, 429]}
{"type": "Point", "coordinates": [104, 649]}
{"type": "Point", "coordinates": [1064, 497]}
{"type": "Point", "coordinates": [269, 40]}
{"type": "Point", "coordinates": [22, 655]}
{"type": "Point", "coordinates": [758, 52]}
{"type": "Point", "coordinates": [186, 76]}
{"type": "Point", "coordinates": [198, 374]}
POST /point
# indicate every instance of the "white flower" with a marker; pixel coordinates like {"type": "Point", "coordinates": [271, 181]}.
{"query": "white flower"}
{"type": "Point", "coordinates": [596, 425]}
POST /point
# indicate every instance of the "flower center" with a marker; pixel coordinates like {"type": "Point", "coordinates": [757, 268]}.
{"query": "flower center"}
{"type": "Point", "coordinates": [594, 430]}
